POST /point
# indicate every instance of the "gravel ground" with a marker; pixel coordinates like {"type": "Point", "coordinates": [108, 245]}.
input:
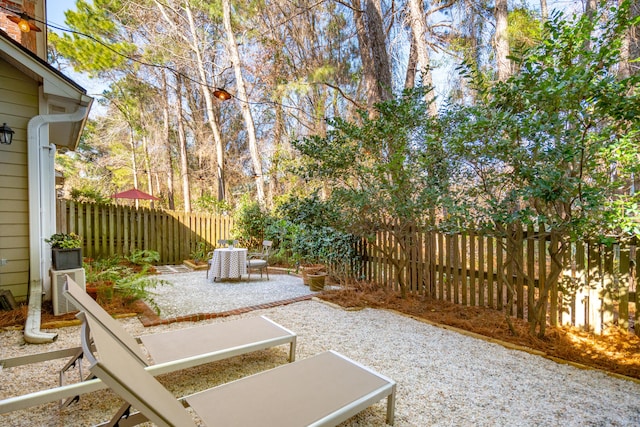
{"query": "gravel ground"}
{"type": "Point", "coordinates": [444, 378]}
{"type": "Point", "coordinates": [178, 299]}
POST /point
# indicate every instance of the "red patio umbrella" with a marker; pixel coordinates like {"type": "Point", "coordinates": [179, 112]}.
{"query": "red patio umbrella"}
{"type": "Point", "coordinates": [135, 194]}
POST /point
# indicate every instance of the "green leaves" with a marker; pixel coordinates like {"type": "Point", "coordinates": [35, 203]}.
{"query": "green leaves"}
{"type": "Point", "coordinates": [555, 142]}
{"type": "Point", "coordinates": [103, 49]}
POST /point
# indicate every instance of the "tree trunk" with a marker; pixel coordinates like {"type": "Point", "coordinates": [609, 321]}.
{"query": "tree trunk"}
{"type": "Point", "coordinates": [544, 11]}
{"type": "Point", "coordinates": [234, 55]}
{"type": "Point", "coordinates": [147, 166]}
{"type": "Point", "coordinates": [278, 135]}
{"type": "Point", "coordinates": [381, 62]}
{"type": "Point", "coordinates": [501, 41]}
{"type": "Point", "coordinates": [630, 47]}
{"type": "Point", "coordinates": [182, 144]}
{"type": "Point", "coordinates": [556, 253]}
{"type": "Point", "coordinates": [134, 160]}
{"type": "Point", "coordinates": [412, 66]}
{"type": "Point", "coordinates": [213, 124]}
{"type": "Point", "coordinates": [167, 143]}
{"type": "Point", "coordinates": [368, 67]}
{"type": "Point", "coordinates": [590, 8]}
{"type": "Point", "coordinates": [418, 24]}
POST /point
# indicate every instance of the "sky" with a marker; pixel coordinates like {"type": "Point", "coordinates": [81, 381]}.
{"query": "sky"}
{"type": "Point", "coordinates": [55, 16]}
{"type": "Point", "coordinates": [56, 8]}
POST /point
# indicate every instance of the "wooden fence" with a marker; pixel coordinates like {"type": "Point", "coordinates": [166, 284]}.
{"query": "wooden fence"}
{"type": "Point", "coordinates": [119, 230]}
{"type": "Point", "coordinates": [597, 288]}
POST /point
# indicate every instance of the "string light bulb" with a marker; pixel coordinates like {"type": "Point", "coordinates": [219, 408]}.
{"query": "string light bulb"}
{"type": "Point", "coordinates": [22, 20]}
{"type": "Point", "coordinates": [222, 94]}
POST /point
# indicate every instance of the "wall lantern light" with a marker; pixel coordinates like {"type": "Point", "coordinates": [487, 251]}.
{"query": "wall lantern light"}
{"type": "Point", "coordinates": [6, 134]}
{"type": "Point", "coordinates": [222, 94]}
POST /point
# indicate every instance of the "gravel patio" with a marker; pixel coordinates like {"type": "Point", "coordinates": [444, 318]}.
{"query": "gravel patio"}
{"type": "Point", "coordinates": [444, 378]}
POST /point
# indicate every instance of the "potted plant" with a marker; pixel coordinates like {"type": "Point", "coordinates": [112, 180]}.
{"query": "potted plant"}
{"type": "Point", "coordinates": [311, 269]}
{"type": "Point", "coordinates": [66, 251]}
{"type": "Point", "coordinates": [316, 281]}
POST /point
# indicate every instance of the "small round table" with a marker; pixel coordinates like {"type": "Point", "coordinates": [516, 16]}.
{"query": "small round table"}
{"type": "Point", "coordinates": [228, 263]}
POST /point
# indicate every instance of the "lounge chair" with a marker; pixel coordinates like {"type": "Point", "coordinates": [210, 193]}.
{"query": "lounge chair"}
{"type": "Point", "coordinates": [170, 351]}
{"type": "Point", "coordinates": [323, 390]}
{"type": "Point", "coordinates": [193, 346]}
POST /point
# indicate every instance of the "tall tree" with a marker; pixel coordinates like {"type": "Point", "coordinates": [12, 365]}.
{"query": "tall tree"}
{"type": "Point", "coordinates": [418, 23]}
{"type": "Point", "coordinates": [234, 56]}
{"type": "Point", "coordinates": [630, 48]}
{"type": "Point", "coordinates": [195, 41]}
{"type": "Point", "coordinates": [501, 40]}
{"type": "Point", "coordinates": [370, 32]}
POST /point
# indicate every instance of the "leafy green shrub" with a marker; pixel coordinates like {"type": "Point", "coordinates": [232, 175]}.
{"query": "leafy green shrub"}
{"type": "Point", "coordinates": [112, 274]}
{"type": "Point", "coordinates": [88, 195]}
{"type": "Point", "coordinates": [282, 233]}
{"type": "Point", "coordinates": [139, 286]}
{"type": "Point", "coordinates": [210, 204]}
{"type": "Point", "coordinates": [249, 222]}
{"type": "Point", "coordinates": [201, 251]}
{"type": "Point", "coordinates": [143, 257]}
{"type": "Point", "coordinates": [64, 241]}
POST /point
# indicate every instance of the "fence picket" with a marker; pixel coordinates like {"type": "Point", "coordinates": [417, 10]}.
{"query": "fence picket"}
{"type": "Point", "coordinates": [488, 275]}
{"type": "Point", "coordinates": [441, 279]}
{"type": "Point", "coordinates": [531, 271]}
{"type": "Point", "coordinates": [624, 280]}
{"type": "Point", "coordinates": [482, 270]}
{"type": "Point", "coordinates": [472, 269]}
{"type": "Point", "coordinates": [464, 271]}
{"type": "Point", "coordinates": [520, 272]}
{"type": "Point", "coordinates": [609, 291]}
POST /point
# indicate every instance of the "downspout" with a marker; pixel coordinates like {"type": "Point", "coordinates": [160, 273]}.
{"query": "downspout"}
{"type": "Point", "coordinates": [37, 213]}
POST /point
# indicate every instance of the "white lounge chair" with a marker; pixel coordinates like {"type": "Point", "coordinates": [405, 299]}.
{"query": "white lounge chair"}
{"type": "Point", "coordinates": [323, 390]}
{"type": "Point", "coordinates": [193, 346]}
{"type": "Point", "coordinates": [169, 351]}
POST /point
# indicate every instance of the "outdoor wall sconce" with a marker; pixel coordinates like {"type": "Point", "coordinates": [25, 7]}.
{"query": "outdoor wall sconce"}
{"type": "Point", "coordinates": [6, 134]}
{"type": "Point", "coordinates": [23, 22]}
{"type": "Point", "coordinates": [222, 94]}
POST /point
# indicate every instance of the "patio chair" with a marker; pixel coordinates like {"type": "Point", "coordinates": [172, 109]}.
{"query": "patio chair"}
{"type": "Point", "coordinates": [193, 346]}
{"type": "Point", "coordinates": [323, 390]}
{"type": "Point", "coordinates": [260, 260]}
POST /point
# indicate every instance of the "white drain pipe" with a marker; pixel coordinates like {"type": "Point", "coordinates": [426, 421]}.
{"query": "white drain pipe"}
{"type": "Point", "coordinates": [41, 208]}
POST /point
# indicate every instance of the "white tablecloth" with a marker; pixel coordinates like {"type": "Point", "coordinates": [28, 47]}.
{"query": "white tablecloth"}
{"type": "Point", "coordinates": [228, 263]}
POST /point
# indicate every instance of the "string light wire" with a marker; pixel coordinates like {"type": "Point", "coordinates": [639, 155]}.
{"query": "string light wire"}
{"type": "Point", "coordinates": [148, 64]}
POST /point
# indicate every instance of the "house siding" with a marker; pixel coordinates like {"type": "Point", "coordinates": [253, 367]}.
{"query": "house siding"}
{"type": "Point", "coordinates": [18, 104]}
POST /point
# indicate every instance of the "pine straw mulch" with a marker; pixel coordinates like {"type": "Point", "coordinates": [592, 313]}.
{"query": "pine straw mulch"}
{"type": "Point", "coordinates": [118, 306]}
{"type": "Point", "coordinates": [615, 351]}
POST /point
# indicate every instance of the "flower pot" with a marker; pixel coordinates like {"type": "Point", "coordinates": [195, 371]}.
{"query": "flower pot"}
{"type": "Point", "coordinates": [316, 282]}
{"type": "Point", "coordinates": [310, 269]}
{"type": "Point", "coordinates": [66, 259]}
{"type": "Point", "coordinates": [92, 291]}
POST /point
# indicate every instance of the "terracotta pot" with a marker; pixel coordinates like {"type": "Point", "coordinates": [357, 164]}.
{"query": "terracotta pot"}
{"type": "Point", "coordinates": [100, 291]}
{"type": "Point", "coordinates": [92, 291]}
{"type": "Point", "coordinates": [316, 282]}
{"type": "Point", "coordinates": [310, 269]}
